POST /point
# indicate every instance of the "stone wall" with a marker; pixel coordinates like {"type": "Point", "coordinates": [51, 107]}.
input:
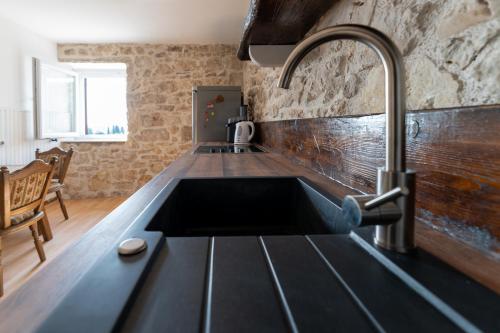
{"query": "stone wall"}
{"type": "Point", "coordinates": [451, 50]}
{"type": "Point", "coordinates": [159, 82]}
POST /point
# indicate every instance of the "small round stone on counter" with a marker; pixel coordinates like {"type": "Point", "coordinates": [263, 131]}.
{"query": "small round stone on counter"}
{"type": "Point", "coordinates": [132, 246]}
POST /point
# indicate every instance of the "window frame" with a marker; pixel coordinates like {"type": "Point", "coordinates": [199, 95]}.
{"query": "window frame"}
{"type": "Point", "coordinates": [38, 100]}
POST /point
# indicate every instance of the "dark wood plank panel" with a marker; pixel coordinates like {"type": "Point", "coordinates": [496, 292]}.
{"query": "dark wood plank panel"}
{"type": "Point", "coordinates": [469, 260]}
{"type": "Point", "coordinates": [456, 153]}
{"type": "Point", "coordinates": [379, 290]}
{"type": "Point", "coordinates": [175, 286]}
{"type": "Point", "coordinates": [320, 305]}
{"type": "Point", "coordinates": [245, 165]}
{"type": "Point", "coordinates": [279, 22]}
{"type": "Point", "coordinates": [242, 289]}
{"type": "Point", "coordinates": [206, 166]}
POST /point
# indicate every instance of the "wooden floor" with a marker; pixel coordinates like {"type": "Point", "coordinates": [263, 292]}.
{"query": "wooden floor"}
{"type": "Point", "coordinates": [20, 260]}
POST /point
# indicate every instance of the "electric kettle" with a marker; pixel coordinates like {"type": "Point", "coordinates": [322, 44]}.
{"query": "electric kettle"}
{"type": "Point", "coordinates": [244, 132]}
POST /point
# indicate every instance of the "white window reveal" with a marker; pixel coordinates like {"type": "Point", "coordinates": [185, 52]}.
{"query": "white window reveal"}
{"type": "Point", "coordinates": [100, 110]}
{"type": "Point", "coordinates": [105, 101]}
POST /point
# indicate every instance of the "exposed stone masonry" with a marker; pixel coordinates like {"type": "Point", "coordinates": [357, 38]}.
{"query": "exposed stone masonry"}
{"type": "Point", "coordinates": [159, 83]}
{"type": "Point", "coordinates": [451, 50]}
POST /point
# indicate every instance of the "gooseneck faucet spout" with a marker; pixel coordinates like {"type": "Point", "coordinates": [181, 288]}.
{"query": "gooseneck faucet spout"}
{"type": "Point", "coordinates": [394, 80]}
{"type": "Point", "coordinates": [393, 212]}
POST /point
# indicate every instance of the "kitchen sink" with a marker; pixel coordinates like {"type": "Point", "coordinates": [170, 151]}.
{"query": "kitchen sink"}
{"type": "Point", "coordinates": [247, 206]}
{"type": "Point", "coordinates": [235, 149]}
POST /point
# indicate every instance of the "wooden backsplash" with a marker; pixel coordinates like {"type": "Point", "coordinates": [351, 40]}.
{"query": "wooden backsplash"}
{"type": "Point", "coordinates": [456, 153]}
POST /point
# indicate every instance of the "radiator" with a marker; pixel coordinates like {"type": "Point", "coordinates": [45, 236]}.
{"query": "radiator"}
{"type": "Point", "coordinates": [17, 132]}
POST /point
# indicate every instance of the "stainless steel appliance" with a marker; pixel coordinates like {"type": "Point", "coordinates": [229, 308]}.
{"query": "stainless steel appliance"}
{"type": "Point", "coordinates": [212, 107]}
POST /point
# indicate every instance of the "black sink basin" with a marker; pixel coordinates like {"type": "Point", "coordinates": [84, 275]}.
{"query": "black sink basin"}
{"type": "Point", "coordinates": [246, 206]}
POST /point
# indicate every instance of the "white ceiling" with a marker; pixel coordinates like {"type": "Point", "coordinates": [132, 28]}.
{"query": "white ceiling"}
{"type": "Point", "coordinates": [139, 21]}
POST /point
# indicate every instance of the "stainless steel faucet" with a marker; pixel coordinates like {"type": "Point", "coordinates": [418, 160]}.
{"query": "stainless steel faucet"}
{"type": "Point", "coordinates": [392, 210]}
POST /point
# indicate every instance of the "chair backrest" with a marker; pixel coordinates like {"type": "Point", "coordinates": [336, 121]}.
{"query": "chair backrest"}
{"type": "Point", "coordinates": [24, 190]}
{"type": "Point", "coordinates": [64, 157]}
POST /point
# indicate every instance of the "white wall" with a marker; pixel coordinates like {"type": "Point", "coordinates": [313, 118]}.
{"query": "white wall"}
{"type": "Point", "coordinates": [18, 47]}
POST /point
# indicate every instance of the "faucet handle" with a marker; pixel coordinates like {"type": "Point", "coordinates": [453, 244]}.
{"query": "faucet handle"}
{"type": "Point", "coordinates": [382, 209]}
{"type": "Point", "coordinates": [386, 197]}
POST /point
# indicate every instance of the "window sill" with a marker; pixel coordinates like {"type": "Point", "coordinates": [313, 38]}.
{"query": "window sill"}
{"type": "Point", "coordinates": [94, 139]}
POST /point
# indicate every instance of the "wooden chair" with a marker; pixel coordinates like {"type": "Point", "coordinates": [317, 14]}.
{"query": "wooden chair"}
{"type": "Point", "coordinates": [57, 184]}
{"type": "Point", "coordinates": [22, 196]}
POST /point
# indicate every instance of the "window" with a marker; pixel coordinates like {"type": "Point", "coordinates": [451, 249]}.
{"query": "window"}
{"type": "Point", "coordinates": [84, 101]}
{"type": "Point", "coordinates": [104, 95]}
{"type": "Point", "coordinates": [56, 101]}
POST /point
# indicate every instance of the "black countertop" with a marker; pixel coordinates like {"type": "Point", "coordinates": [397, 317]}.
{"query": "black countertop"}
{"type": "Point", "coordinates": [317, 283]}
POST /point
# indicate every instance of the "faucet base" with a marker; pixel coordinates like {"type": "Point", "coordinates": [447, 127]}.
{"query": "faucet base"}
{"type": "Point", "coordinates": [398, 236]}
{"type": "Point", "coordinates": [386, 246]}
